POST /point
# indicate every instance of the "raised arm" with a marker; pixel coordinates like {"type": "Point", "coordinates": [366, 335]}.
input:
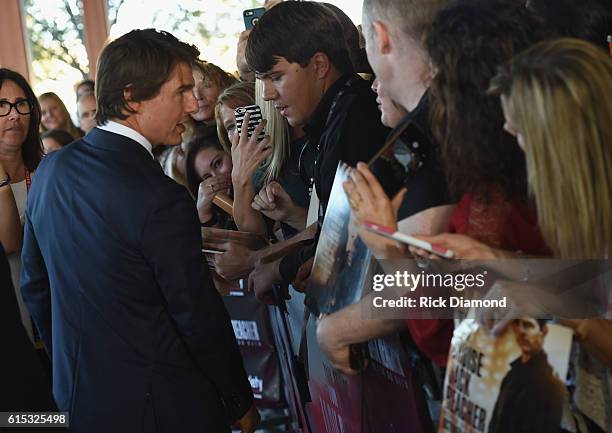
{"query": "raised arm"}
{"type": "Point", "coordinates": [247, 156]}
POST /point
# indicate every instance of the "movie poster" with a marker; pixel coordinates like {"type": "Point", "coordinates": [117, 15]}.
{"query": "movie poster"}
{"type": "Point", "coordinates": [251, 323]}
{"type": "Point", "coordinates": [341, 260]}
{"type": "Point", "coordinates": [384, 398]}
{"type": "Point", "coordinates": [510, 383]}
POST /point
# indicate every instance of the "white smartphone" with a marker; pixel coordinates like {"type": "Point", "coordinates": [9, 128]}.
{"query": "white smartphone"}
{"type": "Point", "coordinates": [408, 240]}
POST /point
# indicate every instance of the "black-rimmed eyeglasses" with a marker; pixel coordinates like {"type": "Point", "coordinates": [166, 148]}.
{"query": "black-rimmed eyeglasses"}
{"type": "Point", "coordinates": [23, 107]}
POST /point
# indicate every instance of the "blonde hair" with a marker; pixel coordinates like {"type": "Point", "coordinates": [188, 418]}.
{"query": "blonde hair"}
{"type": "Point", "coordinates": [212, 75]}
{"type": "Point", "coordinates": [558, 94]}
{"type": "Point", "coordinates": [237, 95]}
{"type": "Point", "coordinates": [248, 93]}
{"type": "Point", "coordinates": [280, 139]}
{"type": "Point", "coordinates": [69, 126]}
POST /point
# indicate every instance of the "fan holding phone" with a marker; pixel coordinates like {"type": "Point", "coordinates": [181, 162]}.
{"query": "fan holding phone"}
{"type": "Point", "coordinates": [250, 144]}
{"type": "Point", "coordinates": [250, 148]}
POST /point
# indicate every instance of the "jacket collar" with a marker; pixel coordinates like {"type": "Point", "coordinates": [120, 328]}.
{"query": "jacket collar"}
{"type": "Point", "coordinates": [114, 142]}
{"type": "Point", "coordinates": [316, 123]}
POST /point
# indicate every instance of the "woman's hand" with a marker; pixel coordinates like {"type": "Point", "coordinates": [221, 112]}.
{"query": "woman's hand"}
{"type": "Point", "coordinates": [206, 192]}
{"type": "Point", "coordinates": [248, 153]}
{"type": "Point", "coordinates": [464, 247]}
{"type": "Point", "coordinates": [369, 202]}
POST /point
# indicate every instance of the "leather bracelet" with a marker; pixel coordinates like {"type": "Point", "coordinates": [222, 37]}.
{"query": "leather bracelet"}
{"type": "Point", "coordinates": [6, 181]}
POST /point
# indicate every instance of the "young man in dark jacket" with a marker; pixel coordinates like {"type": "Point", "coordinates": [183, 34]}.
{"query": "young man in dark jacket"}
{"type": "Point", "coordinates": [299, 51]}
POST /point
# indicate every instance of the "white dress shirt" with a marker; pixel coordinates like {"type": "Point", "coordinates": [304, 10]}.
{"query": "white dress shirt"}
{"type": "Point", "coordinates": [126, 131]}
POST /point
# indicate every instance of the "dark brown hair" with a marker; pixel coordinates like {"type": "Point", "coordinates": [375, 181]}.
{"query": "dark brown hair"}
{"type": "Point", "coordinates": [61, 136]}
{"type": "Point", "coordinates": [141, 60]}
{"type": "Point", "coordinates": [31, 149]}
{"type": "Point", "coordinates": [467, 41]}
{"type": "Point", "coordinates": [297, 31]}
{"type": "Point", "coordinates": [206, 139]}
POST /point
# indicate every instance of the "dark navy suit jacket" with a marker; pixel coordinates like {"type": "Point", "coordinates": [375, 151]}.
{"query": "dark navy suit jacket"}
{"type": "Point", "coordinates": [113, 277]}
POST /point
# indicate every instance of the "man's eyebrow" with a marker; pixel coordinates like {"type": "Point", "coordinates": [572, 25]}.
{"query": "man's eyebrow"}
{"type": "Point", "coordinates": [185, 87]}
{"type": "Point", "coordinates": [264, 75]}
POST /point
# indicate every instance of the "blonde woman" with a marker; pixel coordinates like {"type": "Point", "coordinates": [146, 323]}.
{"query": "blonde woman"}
{"type": "Point", "coordinates": [556, 100]}
{"type": "Point", "coordinates": [55, 115]}
{"type": "Point", "coordinates": [257, 168]}
{"type": "Point", "coordinates": [210, 81]}
{"type": "Point", "coordinates": [247, 154]}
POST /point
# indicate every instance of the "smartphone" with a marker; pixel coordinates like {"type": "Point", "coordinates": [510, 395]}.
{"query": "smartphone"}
{"type": "Point", "coordinates": [251, 16]}
{"type": "Point", "coordinates": [255, 119]}
{"type": "Point", "coordinates": [399, 158]}
{"type": "Point", "coordinates": [408, 240]}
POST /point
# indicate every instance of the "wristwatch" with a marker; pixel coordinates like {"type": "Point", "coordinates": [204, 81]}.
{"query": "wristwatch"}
{"type": "Point", "coordinates": [6, 181]}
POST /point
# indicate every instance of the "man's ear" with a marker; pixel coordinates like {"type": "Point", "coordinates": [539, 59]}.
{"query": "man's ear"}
{"type": "Point", "coordinates": [321, 64]}
{"type": "Point", "coordinates": [381, 37]}
{"type": "Point", "coordinates": [134, 106]}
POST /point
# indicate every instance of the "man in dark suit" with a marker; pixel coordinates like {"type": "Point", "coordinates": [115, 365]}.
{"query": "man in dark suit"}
{"type": "Point", "coordinates": [531, 395]}
{"type": "Point", "coordinates": [112, 268]}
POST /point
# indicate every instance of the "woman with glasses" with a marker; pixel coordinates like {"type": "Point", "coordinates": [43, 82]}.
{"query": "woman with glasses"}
{"type": "Point", "coordinates": [20, 153]}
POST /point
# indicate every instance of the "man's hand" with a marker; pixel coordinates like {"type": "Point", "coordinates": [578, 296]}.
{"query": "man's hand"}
{"type": "Point", "coordinates": [236, 262]}
{"type": "Point", "coordinates": [301, 277]}
{"type": "Point", "coordinates": [274, 202]}
{"type": "Point", "coordinates": [262, 278]}
{"type": "Point", "coordinates": [243, 68]}
{"type": "Point", "coordinates": [369, 202]}
{"type": "Point", "coordinates": [248, 422]}
{"type": "Point", "coordinates": [337, 353]}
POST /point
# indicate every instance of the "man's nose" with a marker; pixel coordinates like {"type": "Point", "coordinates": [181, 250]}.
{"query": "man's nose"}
{"type": "Point", "coordinates": [191, 104]}
{"type": "Point", "coordinates": [269, 92]}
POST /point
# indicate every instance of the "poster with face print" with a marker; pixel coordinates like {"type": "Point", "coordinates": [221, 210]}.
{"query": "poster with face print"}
{"type": "Point", "coordinates": [510, 383]}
